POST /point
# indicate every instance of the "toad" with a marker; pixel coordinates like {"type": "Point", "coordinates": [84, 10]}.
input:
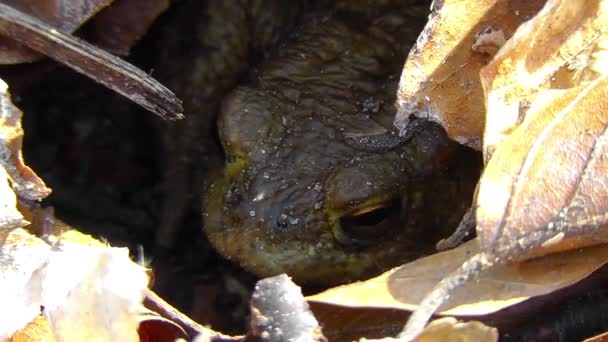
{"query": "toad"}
{"type": "Point", "coordinates": [317, 183]}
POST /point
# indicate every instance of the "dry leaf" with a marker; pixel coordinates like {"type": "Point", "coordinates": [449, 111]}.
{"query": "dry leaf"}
{"type": "Point", "coordinates": [21, 258]}
{"type": "Point", "coordinates": [547, 96]}
{"type": "Point", "coordinates": [448, 329]}
{"type": "Point", "coordinates": [440, 79]}
{"type": "Point", "coordinates": [192, 328]}
{"type": "Point", "coordinates": [545, 186]}
{"type": "Point", "coordinates": [543, 189]}
{"type": "Point", "coordinates": [341, 323]}
{"type": "Point", "coordinates": [563, 47]}
{"type": "Point", "coordinates": [496, 288]}
{"type": "Point", "coordinates": [23, 180]}
{"type": "Point", "coordinates": [37, 330]}
{"type": "Point", "coordinates": [599, 338]}
{"type": "Point", "coordinates": [153, 327]}
{"type": "Point", "coordinates": [89, 291]}
{"type": "Point", "coordinates": [10, 217]}
{"type": "Point", "coordinates": [65, 15]}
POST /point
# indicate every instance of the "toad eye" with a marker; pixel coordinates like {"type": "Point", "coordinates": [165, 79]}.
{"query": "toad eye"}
{"type": "Point", "coordinates": [368, 224]}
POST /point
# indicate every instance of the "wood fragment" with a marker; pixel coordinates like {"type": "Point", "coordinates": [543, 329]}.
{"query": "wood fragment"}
{"type": "Point", "coordinates": [91, 61]}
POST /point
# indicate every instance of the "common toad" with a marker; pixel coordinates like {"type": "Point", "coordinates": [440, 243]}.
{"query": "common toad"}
{"type": "Point", "coordinates": [317, 183]}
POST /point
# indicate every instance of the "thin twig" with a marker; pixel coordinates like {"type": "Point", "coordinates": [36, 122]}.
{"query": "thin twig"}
{"type": "Point", "coordinates": [91, 61]}
{"type": "Point", "coordinates": [441, 292]}
{"type": "Point", "coordinates": [166, 310]}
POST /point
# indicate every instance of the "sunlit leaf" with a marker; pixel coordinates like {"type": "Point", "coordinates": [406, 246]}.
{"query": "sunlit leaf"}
{"type": "Point", "coordinates": [23, 255]}
{"type": "Point", "coordinates": [153, 327]}
{"type": "Point", "coordinates": [496, 288]}
{"type": "Point", "coordinates": [37, 330]}
{"type": "Point", "coordinates": [449, 329]}
{"type": "Point", "coordinates": [89, 291]}
{"type": "Point", "coordinates": [440, 79]}
{"type": "Point", "coordinates": [599, 338]}
{"type": "Point", "coordinates": [545, 144]}
{"type": "Point", "coordinates": [563, 47]}
{"type": "Point", "coordinates": [23, 181]}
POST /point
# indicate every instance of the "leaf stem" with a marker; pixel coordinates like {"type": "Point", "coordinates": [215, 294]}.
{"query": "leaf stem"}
{"type": "Point", "coordinates": [441, 292]}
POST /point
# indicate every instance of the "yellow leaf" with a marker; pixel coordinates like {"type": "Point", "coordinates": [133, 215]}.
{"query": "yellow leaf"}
{"type": "Point", "coordinates": [495, 289]}
{"type": "Point", "coordinates": [37, 330]}
{"type": "Point", "coordinates": [440, 79]}
{"type": "Point", "coordinates": [562, 47]}
{"type": "Point", "coordinates": [450, 330]}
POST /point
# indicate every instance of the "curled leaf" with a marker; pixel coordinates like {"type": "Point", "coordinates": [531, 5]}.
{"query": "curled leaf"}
{"type": "Point", "coordinates": [496, 288]}
{"type": "Point", "coordinates": [89, 291]}
{"type": "Point", "coordinates": [563, 47]}
{"type": "Point", "coordinates": [545, 144]}
{"type": "Point", "coordinates": [448, 329]}
{"type": "Point", "coordinates": [23, 180]}
{"type": "Point", "coordinates": [440, 79]}
{"type": "Point", "coordinates": [37, 330]}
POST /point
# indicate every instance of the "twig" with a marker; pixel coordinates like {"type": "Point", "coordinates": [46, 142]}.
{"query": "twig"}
{"type": "Point", "coordinates": [91, 61]}
{"type": "Point", "coordinates": [441, 292]}
{"type": "Point", "coordinates": [166, 310]}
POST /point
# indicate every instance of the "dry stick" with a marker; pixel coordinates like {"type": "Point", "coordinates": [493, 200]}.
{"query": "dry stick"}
{"type": "Point", "coordinates": [441, 292]}
{"type": "Point", "coordinates": [166, 310]}
{"type": "Point", "coordinates": [91, 61]}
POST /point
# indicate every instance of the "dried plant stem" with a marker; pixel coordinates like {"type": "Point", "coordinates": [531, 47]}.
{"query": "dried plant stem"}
{"type": "Point", "coordinates": [465, 228]}
{"type": "Point", "coordinates": [166, 310]}
{"type": "Point", "coordinates": [91, 61]}
{"type": "Point", "coordinates": [441, 292]}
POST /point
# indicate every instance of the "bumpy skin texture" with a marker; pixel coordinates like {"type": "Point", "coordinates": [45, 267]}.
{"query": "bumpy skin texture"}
{"type": "Point", "coordinates": [206, 48]}
{"type": "Point", "coordinates": [307, 152]}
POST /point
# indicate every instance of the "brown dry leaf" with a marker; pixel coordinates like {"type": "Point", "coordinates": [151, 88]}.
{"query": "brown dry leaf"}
{"type": "Point", "coordinates": [563, 47]}
{"type": "Point", "coordinates": [65, 15]}
{"type": "Point", "coordinates": [89, 291]}
{"type": "Point", "coordinates": [440, 79]}
{"type": "Point", "coordinates": [153, 327]}
{"type": "Point", "coordinates": [599, 338]}
{"type": "Point", "coordinates": [496, 288]}
{"type": "Point", "coordinates": [545, 144]}
{"type": "Point", "coordinates": [544, 188]}
{"type": "Point", "coordinates": [23, 180]}
{"type": "Point", "coordinates": [37, 330]}
{"type": "Point", "coordinates": [341, 323]}
{"type": "Point", "coordinates": [23, 255]}
{"type": "Point", "coordinates": [448, 329]}
{"type": "Point", "coordinates": [10, 217]}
